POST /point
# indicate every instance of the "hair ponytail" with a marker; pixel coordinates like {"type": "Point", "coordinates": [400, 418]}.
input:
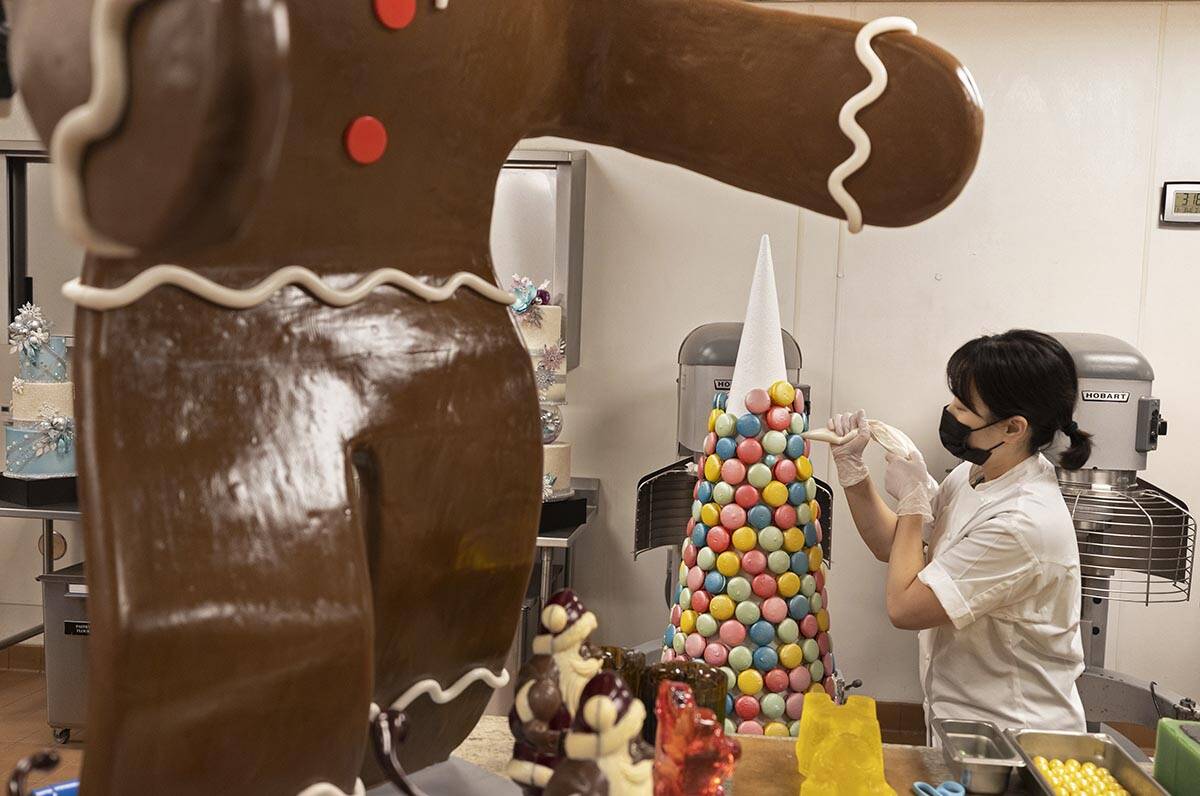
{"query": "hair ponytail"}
{"type": "Point", "coordinates": [1077, 455]}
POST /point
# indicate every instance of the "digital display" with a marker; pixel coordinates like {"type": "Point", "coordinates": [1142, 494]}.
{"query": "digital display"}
{"type": "Point", "coordinates": [1187, 202]}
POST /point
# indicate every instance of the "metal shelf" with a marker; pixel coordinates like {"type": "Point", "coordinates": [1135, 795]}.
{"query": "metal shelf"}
{"type": "Point", "coordinates": [48, 515]}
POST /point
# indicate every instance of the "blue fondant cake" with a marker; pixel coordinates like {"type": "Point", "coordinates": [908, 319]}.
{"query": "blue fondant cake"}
{"type": "Point", "coordinates": [39, 440]}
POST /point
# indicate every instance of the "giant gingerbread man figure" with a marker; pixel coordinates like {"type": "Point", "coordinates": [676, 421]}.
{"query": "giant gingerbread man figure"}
{"type": "Point", "coordinates": [295, 510]}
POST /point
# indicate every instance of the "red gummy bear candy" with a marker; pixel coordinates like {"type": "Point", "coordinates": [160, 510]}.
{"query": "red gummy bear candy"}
{"type": "Point", "coordinates": [693, 755]}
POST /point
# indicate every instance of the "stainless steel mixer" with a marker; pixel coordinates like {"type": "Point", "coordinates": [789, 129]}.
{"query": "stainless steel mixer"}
{"type": "Point", "coordinates": [1136, 541]}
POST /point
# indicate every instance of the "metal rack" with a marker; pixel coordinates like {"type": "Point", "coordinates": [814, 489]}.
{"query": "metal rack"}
{"type": "Point", "coordinates": [48, 515]}
{"type": "Point", "coordinates": [1136, 542]}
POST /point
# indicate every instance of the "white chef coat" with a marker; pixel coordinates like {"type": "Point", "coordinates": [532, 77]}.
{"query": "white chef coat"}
{"type": "Point", "coordinates": [1004, 563]}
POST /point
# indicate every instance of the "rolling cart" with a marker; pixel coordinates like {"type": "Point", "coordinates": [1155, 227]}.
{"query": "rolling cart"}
{"type": "Point", "coordinates": [66, 669]}
{"type": "Point", "coordinates": [64, 607]}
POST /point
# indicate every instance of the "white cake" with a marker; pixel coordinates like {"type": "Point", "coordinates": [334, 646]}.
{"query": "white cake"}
{"type": "Point", "coordinates": [556, 463]}
{"type": "Point", "coordinates": [545, 345]}
{"type": "Point", "coordinates": [541, 329]}
{"type": "Point", "coordinates": [39, 438]}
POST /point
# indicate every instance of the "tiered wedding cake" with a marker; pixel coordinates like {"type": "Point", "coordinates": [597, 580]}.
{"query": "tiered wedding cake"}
{"type": "Point", "coordinates": [39, 439]}
{"type": "Point", "coordinates": [541, 324]}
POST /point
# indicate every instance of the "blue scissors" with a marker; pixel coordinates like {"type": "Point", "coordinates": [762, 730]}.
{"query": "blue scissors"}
{"type": "Point", "coordinates": [945, 789]}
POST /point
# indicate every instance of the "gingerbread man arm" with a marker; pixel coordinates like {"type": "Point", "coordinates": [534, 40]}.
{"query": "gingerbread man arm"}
{"type": "Point", "coordinates": [751, 96]}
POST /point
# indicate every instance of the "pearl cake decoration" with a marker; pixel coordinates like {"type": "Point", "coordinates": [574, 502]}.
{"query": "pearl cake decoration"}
{"type": "Point", "coordinates": [752, 598]}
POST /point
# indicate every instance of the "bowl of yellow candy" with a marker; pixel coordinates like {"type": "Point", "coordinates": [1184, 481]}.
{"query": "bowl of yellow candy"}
{"type": "Point", "coordinates": [1070, 777]}
{"type": "Point", "coordinates": [1080, 764]}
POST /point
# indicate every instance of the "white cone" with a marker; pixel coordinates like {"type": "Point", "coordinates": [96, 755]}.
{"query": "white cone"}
{"type": "Point", "coordinates": [760, 361]}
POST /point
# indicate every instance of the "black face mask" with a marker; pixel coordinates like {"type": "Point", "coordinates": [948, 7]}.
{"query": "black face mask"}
{"type": "Point", "coordinates": [954, 435]}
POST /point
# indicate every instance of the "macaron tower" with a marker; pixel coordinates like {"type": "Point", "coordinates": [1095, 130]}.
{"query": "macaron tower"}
{"type": "Point", "coordinates": [752, 597]}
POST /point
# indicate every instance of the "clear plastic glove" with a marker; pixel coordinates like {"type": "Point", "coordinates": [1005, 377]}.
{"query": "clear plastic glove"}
{"type": "Point", "coordinates": [909, 482]}
{"type": "Point", "coordinates": [848, 457]}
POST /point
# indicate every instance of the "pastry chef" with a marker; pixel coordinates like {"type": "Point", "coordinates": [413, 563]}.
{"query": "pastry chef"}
{"type": "Point", "coordinates": [985, 565]}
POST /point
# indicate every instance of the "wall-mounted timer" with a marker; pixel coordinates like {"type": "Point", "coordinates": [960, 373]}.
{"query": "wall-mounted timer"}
{"type": "Point", "coordinates": [1180, 203]}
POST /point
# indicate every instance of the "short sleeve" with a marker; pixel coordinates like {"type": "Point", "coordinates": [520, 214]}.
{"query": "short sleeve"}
{"type": "Point", "coordinates": [987, 569]}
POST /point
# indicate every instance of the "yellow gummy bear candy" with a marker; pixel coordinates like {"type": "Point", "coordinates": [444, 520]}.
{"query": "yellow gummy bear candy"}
{"type": "Point", "coordinates": [840, 749]}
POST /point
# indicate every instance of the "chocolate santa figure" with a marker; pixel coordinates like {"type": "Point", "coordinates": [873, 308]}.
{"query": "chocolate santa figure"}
{"type": "Point", "coordinates": [548, 689]}
{"type": "Point", "coordinates": [538, 720]}
{"type": "Point", "coordinates": [563, 634]}
{"type": "Point", "coordinates": [606, 755]}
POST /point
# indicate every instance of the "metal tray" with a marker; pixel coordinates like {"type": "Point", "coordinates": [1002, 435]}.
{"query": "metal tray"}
{"type": "Point", "coordinates": [978, 753]}
{"type": "Point", "coordinates": [1099, 748]}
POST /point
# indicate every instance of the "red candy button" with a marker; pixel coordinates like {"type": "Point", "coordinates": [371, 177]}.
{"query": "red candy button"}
{"type": "Point", "coordinates": [366, 140]}
{"type": "Point", "coordinates": [395, 14]}
{"type": "Point", "coordinates": [746, 707]}
{"type": "Point", "coordinates": [746, 496]}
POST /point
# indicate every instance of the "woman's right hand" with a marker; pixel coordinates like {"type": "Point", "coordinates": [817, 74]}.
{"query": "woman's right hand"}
{"type": "Point", "coordinates": [848, 456]}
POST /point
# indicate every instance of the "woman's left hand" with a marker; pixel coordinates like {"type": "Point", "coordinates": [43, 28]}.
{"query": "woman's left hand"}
{"type": "Point", "coordinates": [908, 481]}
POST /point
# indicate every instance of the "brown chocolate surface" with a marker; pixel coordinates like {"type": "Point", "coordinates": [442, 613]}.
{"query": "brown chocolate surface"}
{"type": "Point", "coordinates": [294, 510]}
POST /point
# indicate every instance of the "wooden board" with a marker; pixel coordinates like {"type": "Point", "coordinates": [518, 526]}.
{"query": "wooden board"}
{"type": "Point", "coordinates": [768, 766]}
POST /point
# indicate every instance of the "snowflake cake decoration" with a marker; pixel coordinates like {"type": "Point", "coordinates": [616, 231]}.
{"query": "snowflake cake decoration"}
{"type": "Point", "coordinates": [530, 300]}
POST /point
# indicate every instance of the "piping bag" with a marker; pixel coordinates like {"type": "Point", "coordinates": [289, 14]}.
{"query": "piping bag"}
{"type": "Point", "coordinates": [892, 439]}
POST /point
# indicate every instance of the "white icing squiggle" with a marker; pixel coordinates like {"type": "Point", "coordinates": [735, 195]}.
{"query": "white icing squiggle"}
{"type": "Point", "coordinates": [325, 789]}
{"type": "Point", "coordinates": [99, 298]}
{"type": "Point", "coordinates": [442, 5]}
{"type": "Point", "coordinates": [91, 121]}
{"type": "Point", "coordinates": [435, 691]}
{"type": "Point", "coordinates": [441, 696]}
{"type": "Point", "coordinates": [847, 120]}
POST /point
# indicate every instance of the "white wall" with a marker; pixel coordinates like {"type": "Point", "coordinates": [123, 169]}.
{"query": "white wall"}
{"type": "Point", "coordinates": [1086, 102]}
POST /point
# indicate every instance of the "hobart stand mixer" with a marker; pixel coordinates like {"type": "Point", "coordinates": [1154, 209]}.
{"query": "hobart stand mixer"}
{"type": "Point", "coordinates": [1136, 541]}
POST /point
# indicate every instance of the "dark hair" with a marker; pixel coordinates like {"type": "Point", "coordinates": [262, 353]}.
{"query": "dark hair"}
{"type": "Point", "coordinates": [1026, 373]}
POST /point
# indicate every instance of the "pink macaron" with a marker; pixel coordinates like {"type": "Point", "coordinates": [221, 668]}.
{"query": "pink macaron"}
{"type": "Point", "coordinates": [778, 418]}
{"type": "Point", "coordinates": [775, 610]}
{"type": "Point", "coordinates": [808, 626]}
{"type": "Point", "coordinates": [800, 679]}
{"type": "Point", "coordinates": [757, 401]}
{"type": "Point", "coordinates": [746, 707]}
{"type": "Point", "coordinates": [733, 472]}
{"type": "Point", "coordinates": [733, 516]}
{"type": "Point", "coordinates": [715, 654]}
{"type": "Point", "coordinates": [746, 496]}
{"type": "Point", "coordinates": [753, 562]}
{"type": "Point", "coordinates": [749, 451]}
{"type": "Point", "coordinates": [785, 471]}
{"type": "Point", "coordinates": [764, 586]}
{"type": "Point", "coordinates": [732, 632]}
{"type": "Point", "coordinates": [718, 539]}
{"type": "Point", "coordinates": [795, 706]}
{"type": "Point", "coordinates": [776, 680]}
{"type": "Point", "coordinates": [785, 517]}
